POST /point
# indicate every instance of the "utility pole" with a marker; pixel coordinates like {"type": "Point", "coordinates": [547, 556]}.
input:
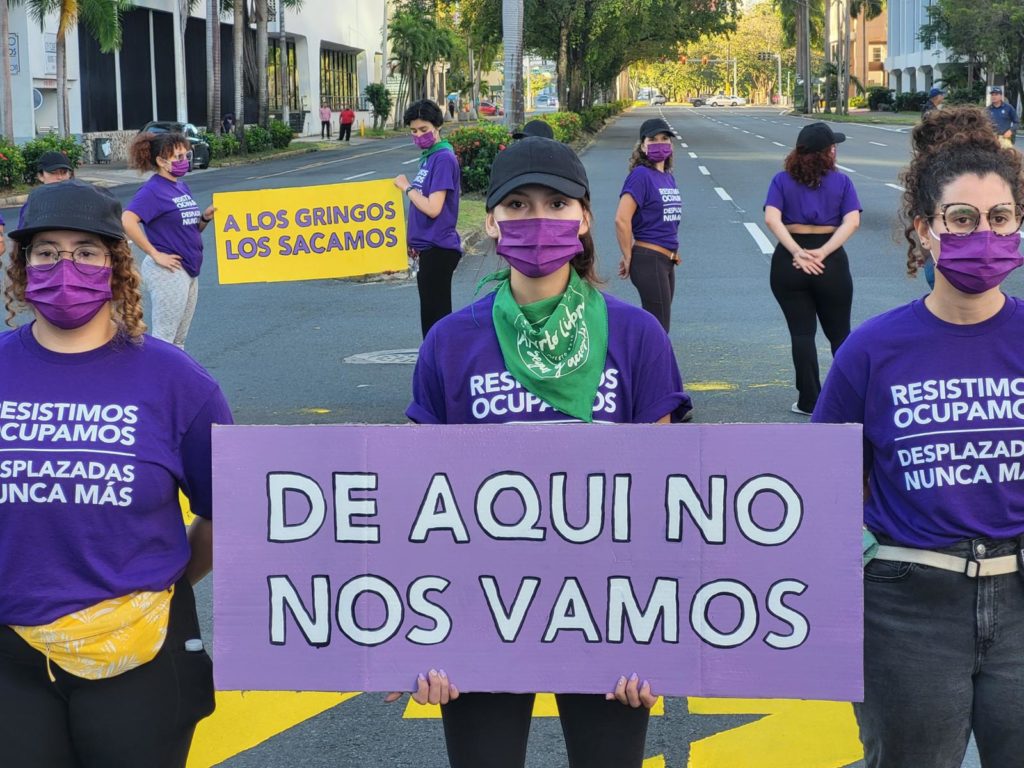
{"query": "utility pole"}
{"type": "Point", "coordinates": [778, 83]}
{"type": "Point", "coordinates": [807, 55]}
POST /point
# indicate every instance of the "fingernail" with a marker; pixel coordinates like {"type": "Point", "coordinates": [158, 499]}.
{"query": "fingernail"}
{"type": "Point", "coordinates": [622, 681]}
{"type": "Point", "coordinates": [634, 677]}
{"type": "Point", "coordinates": [646, 684]}
{"type": "Point", "coordinates": [443, 673]}
{"type": "Point", "coordinates": [420, 677]}
{"type": "Point", "coordinates": [433, 673]}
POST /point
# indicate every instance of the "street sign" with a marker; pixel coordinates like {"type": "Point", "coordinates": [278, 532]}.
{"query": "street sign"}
{"type": "Point", "coordinates": [14, 51]}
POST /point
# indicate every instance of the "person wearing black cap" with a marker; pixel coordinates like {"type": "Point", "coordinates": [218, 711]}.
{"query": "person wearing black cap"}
{"type": "Point", "coordinates": [647, 221]}
{"type": "Point", "coordinates": [101, 661]}
{"type": "Point", "coordinates": [545, 347]}
{"type": "Point", "coordinates": [1003, 117]}
{"type": "Point", "coordinates": [54, 166]}
{"type": "Point", "coordinates": [812, 209]}
{"type": "Point", "coordinates": [540, 128]}
{"type": "Point", "coordinates": [935, 98]}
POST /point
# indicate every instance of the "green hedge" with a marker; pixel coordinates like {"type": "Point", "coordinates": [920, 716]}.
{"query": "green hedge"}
{"type": "Point", "coordinates": [593, 118]}
{"type": "Point", "coordinates": [879, 95]}
{"type": "Point", "coordinates": [476, 147]}
{"type": "Point", "coordinates": [51, 142]}
{"type": "Point", "coordinates": [280, 134]}
{"type": "Point", "coordinates": [223, 145]}
{"type": "Point", "coordinates": [911, 102]}
{"type": "Point", "coordinates": [567, 126]}
{"type": "Point", "coordinates": [12, 164]}
{"type": "Point", "coordinates": [258, 139]}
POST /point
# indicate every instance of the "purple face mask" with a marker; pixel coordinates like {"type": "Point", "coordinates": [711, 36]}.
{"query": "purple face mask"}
{"type": "Point", "coordinates": [979, 261]}
{"type": "Point", "coordinates": [179, 167]}
{"type": "Point", "coordinates": [538, 247]}
{"type": "Point", "coordinates": [65, 297]}
{"type": "Point", "coordinates": [424, 140]}
{"type": "Point", "coordinates": [657, 153]}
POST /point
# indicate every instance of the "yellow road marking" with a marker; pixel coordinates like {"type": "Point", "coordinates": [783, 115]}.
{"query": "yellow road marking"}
{"type": "Point", "coordinates": [710, 386]}
{"type": "Point", "coordinates": [808, 734]}
{"type": "Point", "coordinates": [543, 706]}
{"type": "Point", "coordinates": [315, 411]}
{"type": "Point", "coordinates": [246, 718]}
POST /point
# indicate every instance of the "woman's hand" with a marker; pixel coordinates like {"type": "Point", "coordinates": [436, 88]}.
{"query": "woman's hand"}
{"type": "Point", "coordinates": [435, 688]}
{"type": "Point", "coordinates": [208, 214]}
{"type": "Point", "coordinates": [169, 261]}
{"type": "Point", "coordinates": [624, 266]}
{"type": "Point", "coordinates": [402, 182]}
{"type": "Point", "coordinates": [807, 263]}
{"type": "Point", "coordinates": [631, 692]}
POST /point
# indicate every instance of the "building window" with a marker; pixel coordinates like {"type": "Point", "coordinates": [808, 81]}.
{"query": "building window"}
{"type": "Point", "coordinates": [338, 83]}
{"type": "Point", "coordinates": [877, 53]}
{"type": "Point", "coordinates": [274, 78]}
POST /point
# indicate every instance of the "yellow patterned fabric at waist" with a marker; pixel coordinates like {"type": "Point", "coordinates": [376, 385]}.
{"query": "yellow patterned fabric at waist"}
{"type": "Point", "coordinates": [106, 639]}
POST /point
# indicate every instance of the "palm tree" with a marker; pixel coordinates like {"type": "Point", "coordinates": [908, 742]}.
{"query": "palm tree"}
{"type": "Point", "coordinates": [282, 68]}
{"type": "Point", "coordinates": [512, 31]}
{"type": "Point", "coordinates": [261, 11]}
{"type": "Point", "coordinates": [5, 62]}
{"type": "Point", "coordinates": [238, 35]}
{"type": "Point", "coordinates": [213, 74]}
{"type": "Point", "coordinates": [103, 20]}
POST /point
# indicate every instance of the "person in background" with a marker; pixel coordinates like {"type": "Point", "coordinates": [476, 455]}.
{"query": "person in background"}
{"type": "Point", "coordinates": [935, 98]}
{"type": "Point", "coordinates": [812, 209]}
{"type": "Point", "coordinates": [451, 109]}
{"type": "Point", "coordinates": [101, 658]}
{"type": "Point", "coordinates": [538, 128]}
{"type": "Point", "coordinates": [433, 212]}
{"type": "Point", "coordinates": [172, 239]}
{"type": "Point", "coordinates": [539, 215]}
{"type": "Point", "coordinates": [936, 386]}
{"type": "Point", "coordinates": [345, 121]}
{"type": "Point", "coordinates": [325, 121]}
{"type": "Point", "coordinates": [51, 168]}
{"type": "Point", "coordinates": [647, 221]}
{"type": "Point", "coordinates": [227, 123]}
{"type": "Point", "coordinates": [1003, 117]}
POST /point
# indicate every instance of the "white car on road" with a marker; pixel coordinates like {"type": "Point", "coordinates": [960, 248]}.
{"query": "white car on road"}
{"type": "Point", "coordinates": [721, 100]}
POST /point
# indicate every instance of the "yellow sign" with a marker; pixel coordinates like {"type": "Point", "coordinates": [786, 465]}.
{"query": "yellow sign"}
{"type": "Point", "coordinates": [310, 233]}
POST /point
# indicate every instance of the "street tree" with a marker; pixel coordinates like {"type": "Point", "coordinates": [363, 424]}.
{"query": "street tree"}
{"type": "Point", "coordinates": [418, 41]}
{"type": "Point", "coordinates": [238, 38]}
{"type": "Point", "coordinates": [102, 18]}
{"type": "Point", "coordinates": [512, 32]}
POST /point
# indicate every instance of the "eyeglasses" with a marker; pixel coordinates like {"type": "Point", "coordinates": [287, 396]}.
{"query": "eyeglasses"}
{"type": "Point", "coordinates": [963, 218]}
{"type": "Point", "coordinates": [87, 259]}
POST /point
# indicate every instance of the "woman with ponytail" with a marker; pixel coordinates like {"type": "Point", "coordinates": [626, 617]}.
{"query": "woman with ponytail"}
{"type": "Point", "coordinates": [172, 238]}
{"type": "Point", "coordinates": [938, 385]}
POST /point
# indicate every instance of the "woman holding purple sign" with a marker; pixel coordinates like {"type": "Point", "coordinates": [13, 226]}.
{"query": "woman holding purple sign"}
{"type": "Point", "coordinates": [546, 347]}
{"type": "Point", "coordinates": [647, 221]}
{"type": "Point", "coordinates": [434, 243]}
{"type": "Point", "coordinates": [812, 209]}
{"type": "Point", "coordinates": [101, 659]}
{"type": "Point", "coordinates": [939, 386]}
{"type": "Point", "coordinates": [172, 239]}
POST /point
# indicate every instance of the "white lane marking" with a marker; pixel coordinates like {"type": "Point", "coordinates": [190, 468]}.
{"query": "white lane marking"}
{"type": "Point", "coordinates": [414, 160]}
{"type": "Point", "coordinates": [878, 144]}
{"type": "Point", "coordinates": [693, 155]}
{"type": "Point", "coordinates": [746, 131]}
{"type": "Point", "coordinates": [327, 162]}
{"type": "Point", "coordinates": [704, 171]}
{"type": "Point", "coordinates": [760, 238]}
{"type": "Point", "coordinates": [844, 168]}
{"type": "Point", "coordinates": [897, 187]}
{"type": "Point", "coordinates": [359, 176]}
{"type": "Point", "coordinates": [723, 194]}
{"type": "Point", "coordinates": [778, 144]}
{"type": "Point", "coordinates": [759, 135]}
{"type": "Point", "coordinates": [684, 145]}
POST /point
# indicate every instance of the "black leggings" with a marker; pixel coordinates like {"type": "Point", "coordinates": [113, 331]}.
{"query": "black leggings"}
{"type": "Point", "coordinates": [654, 275]}
{"type": "Point", "coordinates": [144, 717]}
{"type": "Point", "coordinates": [490, 729]}
{"type": "Point", "coordinates": [434, 281]}
{"type": "Point", "coordinates": [804, 299]}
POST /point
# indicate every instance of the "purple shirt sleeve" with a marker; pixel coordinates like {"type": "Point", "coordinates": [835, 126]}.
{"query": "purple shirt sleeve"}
{"type": "Point", "coordinates": [635, 187]}
{"type": "Point", "coordinates": [850, 201]}
{"type": "Point", "coordinates": [444, 175]}
{"type": "Point", "coordinates": [657, 383]}
{"type": "Point", "coordinates": [428, 405]}
{"type": "Point", "coordinates": [776, 196]}
{"type": "Point", "coordinates": [196, 453]}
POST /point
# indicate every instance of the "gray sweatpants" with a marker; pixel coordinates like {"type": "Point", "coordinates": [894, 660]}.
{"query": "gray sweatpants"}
{"type": "Point", "coordinates": [173, 295]}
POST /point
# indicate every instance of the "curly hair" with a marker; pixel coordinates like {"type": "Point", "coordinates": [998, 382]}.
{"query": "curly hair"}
{"type": "Point", "coordinates": [639, 157]}
{"type": "Point", "coordinates": [947, 144]}
{"type": "Point", "coordinates": [809, 168]}
{"type": "Point", "coordinates": [125, 285]}
{"type": "Point", "coordinates": [147, 147]}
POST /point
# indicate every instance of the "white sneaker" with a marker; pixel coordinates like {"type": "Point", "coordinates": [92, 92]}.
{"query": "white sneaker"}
{"type": "Point", "coordinates": [795, 408]}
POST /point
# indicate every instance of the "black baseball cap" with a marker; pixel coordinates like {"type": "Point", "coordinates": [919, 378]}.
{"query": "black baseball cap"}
{"type": "Point", "coordinates": [52, 161]}
{"type": "Point", "coordinates": [654, 126]}
{"type": "Point", "coordinates": [818, 136]}
{"type": "Point", "coordinates": [536, 160]}
{"type": "Point", "coordinates": [996, 89]}
{"type": "Point", "coordinates": [535, 128]}
{"type": "Point", "coordinates": [71, 204]}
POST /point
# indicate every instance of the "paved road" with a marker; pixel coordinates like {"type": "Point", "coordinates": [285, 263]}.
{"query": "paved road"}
{"type": "Point", "coordinates": [280, 353]}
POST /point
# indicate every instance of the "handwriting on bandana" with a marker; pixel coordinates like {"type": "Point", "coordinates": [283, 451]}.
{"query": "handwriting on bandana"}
{"type": "Point", "coordinates": [560, 347]}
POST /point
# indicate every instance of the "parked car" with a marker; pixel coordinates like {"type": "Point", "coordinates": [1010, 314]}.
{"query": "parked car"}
{"type": "Point", "coordinates": [697, 101]}
{"type": "Point", "coordinates": [489, 109]}
{"type": "Point", "coordinates": [657, 99]}
{"type": "Point", "coordinates": [721, 100]}
{"type": "Point", "coordinates": [200, 157]}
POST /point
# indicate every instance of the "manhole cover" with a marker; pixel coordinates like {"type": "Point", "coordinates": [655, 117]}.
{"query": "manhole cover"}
{"type": "Point", "coordinates": [385, 357]}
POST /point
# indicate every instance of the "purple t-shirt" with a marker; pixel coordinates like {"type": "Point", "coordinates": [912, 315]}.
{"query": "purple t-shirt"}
{"type": "Point", "coordinates": [172, 219]}
{"type": "Point", "coordinates": [659, 207]}
{"type": "Point", "coordinates": [94, 447]}
{"type": "Point", "coordinates": [943, 412]}
{"type": "Point", "coordinates": [439, 172]}
{"type": "Point", "coordinates": [461, 378]}
{"type": "Point", "coordinates": [825, 206]}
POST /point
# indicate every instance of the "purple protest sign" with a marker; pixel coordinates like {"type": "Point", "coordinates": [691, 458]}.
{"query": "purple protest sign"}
{"type": "Point", "coordinates": [719, 560]}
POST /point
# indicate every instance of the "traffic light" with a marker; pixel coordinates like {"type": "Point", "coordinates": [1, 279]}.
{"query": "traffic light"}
{"type": "Point", "coordinates": [704, 60]}
{"type": "Point", "coordinates": [682, 58]}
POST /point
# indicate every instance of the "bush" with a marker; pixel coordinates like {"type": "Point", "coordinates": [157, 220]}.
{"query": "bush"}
{"type": "Point", "coordinates": [973, 95]}
{"type": "Point", "coordinates": [280, 134]}
{"type": "Point", "coordinates": [858, 102]}
{"type": "Point", "coordinates": [567, 126]}
{"type": "Point", "coordinates": [476, 147]}
{"type": "Point", "coordinates": [380, 99]}
{"type": "Point", "coordinates": [879, 95]}
{"type": "Point", "coordinates": [593, 118]}
{"type": "Point", "coordinates": [32, 150]}
{"type": "Point", "coordinates": [257, 139]}
{"type": "Point", "coordinates": [12, 164]}
{"type": "Point", "coordinates": [224, 145]}
{"type": "Point", "coordinates": [911, 102]}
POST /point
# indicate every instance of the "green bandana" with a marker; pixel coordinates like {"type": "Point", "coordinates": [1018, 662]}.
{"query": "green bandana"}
{"type": "Point", "coordinates": [436, 147]}
{"type": "Point", "coordinates": [555, 347]}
